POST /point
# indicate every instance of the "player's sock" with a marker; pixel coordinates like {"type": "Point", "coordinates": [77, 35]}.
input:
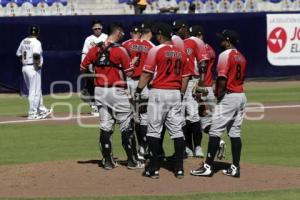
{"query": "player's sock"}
{"type": "Point", "coordinates": [187, 132]}
{"type": "Point", "coordinates": [153, 147]}
{"type": "Point", "coordinates": [129, 144]}
{"type": "Point", "coordinates": [197, 133]}
{"type": "Point", "coordinates": [179, 147]}
{"type": "Point", "coordinates": [143, 133]}
{"type": "Point", "coordinates": [105, 143]}
{"type": "Point", "coordinates": [213, 145]}
{"type": "Point", "coordinates": [161, 142]}
{"type": "Point", "coordinates": [236, 148]}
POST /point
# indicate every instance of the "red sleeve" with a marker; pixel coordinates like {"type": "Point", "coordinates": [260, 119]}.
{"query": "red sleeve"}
{"type": "Point", "coordinates": [150, 61]}
{"type": "Point", "coordinates": [202, 53]}
{"type": "Point", "coordinates": [89, 58]}
{"type": "Point", "coordinates": [187, 69]}
{"type": "Point", "coordinates": [125, 59]}
{"type": "Point", "coordinates": [223, 63]}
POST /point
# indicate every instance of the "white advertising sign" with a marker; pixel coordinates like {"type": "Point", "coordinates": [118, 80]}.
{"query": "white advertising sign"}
{"type": "Point", "coordinates": [283, 39]}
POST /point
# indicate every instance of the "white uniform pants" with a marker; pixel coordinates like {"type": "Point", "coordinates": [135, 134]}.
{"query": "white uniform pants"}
{"type": "Point", "coordinates": [228, 115]}
{"type": "Point", "coordinates": [189, 105]}
{"type": "Point", "coordinates": [32, 78]}
{"type": "Point", "coordinates": [132, 85]}
{"type": "Point", "coordinates": [164, 107]}
{"type": "Point", "coordinates": [210, 101]}
{"type": "Point", "coordinates": [115, 106]}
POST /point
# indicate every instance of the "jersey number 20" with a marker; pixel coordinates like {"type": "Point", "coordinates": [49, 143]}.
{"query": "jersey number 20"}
{"type": "Point", "coordinates": [173, 65]}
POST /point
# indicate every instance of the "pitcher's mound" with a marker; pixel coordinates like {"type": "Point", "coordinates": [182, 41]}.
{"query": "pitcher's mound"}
{"type": "Point", "coordinates": [86, 178]}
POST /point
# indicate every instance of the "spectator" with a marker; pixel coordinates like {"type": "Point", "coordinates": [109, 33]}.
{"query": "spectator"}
{"type": "Point", "coordinates": [192, 8]}
{"type": "Point", "coordinates": [167, 6]}
{"type": "Point", "coordinates": [139, 6]}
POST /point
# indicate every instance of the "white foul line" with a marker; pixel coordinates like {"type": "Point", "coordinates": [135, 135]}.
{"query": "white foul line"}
{"type": "Point", "coordinates": [47, 119]}
{"type": "Point", "coordinates": [86, 117]}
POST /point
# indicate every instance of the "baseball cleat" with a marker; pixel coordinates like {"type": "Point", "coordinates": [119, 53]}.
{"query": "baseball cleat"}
{"type": "Point", "coordinates": [34, 117]}
{"type": "Point", "coordinates": [135, 165]}
{"type": "Point", "coordinates": [204, 170]}
{"type": "Point", "coordinates": [46, 113]}
{"type": "Point", "coordinates": [232, 171]}
{"type": "Point", "coordinates": [151, 174]}
{"type": "Point", "coordinates": [199, 152]}
{"type": "Point", "coordinates": [109, 164]}
{"type": "Point", "coordinates": [189, 152]}
{"type": "Point", "coordinates": [221, 150]}
{"type": "Point", "coordinates": [179, 174]}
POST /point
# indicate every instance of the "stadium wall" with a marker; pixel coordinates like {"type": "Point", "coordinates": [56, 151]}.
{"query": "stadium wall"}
{"type": "Point", "coordinates": [63, 36]}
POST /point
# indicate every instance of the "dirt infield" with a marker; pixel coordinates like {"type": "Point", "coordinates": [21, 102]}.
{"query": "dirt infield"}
{"type": "Point", "coordinates": [86, 178]}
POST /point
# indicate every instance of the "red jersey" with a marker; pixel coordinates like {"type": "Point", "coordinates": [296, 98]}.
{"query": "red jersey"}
{"type": "Point", "coordinates": [108, 76]}
{"type": "Point", "coordinates": [232, 65]}
{"type": "Point", "coordinates": [169, 65]}
{"type": "Point", "coordinates": [208, 80]}
{"type": "Point", "coordinates": [196, 51]}
{"type": "Point", "coordinates": [138, 48]}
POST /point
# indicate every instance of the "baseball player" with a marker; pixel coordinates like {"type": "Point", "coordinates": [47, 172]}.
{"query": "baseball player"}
{"type": "Point", "coordinates": [30, 54]}
{"type": "Point", "coordinates": [230, 109]}
{"type": "Point", "coordinates": [198, 57]}
{"type": "Point", "coordinates": [139, 48]}
{"type": "Point", "coordinates": [91, 41]}
{"type": "Point", "coordinates": [167, 69]}
{"type": "Point", "coordinates": [112, 62]}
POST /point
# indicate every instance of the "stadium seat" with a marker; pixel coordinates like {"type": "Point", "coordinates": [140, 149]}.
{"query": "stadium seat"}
{"type": "Point", "coordinates": [251, 6]}
{"type": "Point", "coordinates": [27, 9]}
{"type": "Point", "coordinates": [238, 6]}
{"type": "Point", "coordinates": [224, 6]}
{"type": "Point", "coordinates": [72, 8]}
{"type": "Point", "coordinates": [199, 6]}
{"type": "Point", "coordinates": [57, 8]}
{"type": "Point", "coordinates": [11, 9]}
{"type": "Point", "coordinates": [296, 5]}
{"type": "Point", "coordinates": [210, 6]}
{"type": "Point", "coordinates": [286, 5]}
{"type": "Point", "coordinates": [42, 9]}
{"type": "Point", "coordinates": [183, 7]}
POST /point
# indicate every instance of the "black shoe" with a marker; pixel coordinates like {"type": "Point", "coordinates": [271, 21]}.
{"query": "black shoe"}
{"type": "Point", "coordinates": [109, 163]}
{"type": "Point", "coordinates": [232, 171]}
{"type": "Point", "coordinates": [135, 165]}
{"type": "Point", "coordinates": [204, 170]}
{"type": "Point", "coordinates": [151, 174]}
{"type": "Point", "coordinates": [179, 174]}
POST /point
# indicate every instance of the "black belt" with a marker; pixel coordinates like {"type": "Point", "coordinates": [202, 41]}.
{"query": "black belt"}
{"type": "Point", "coordinates": [135, 78]}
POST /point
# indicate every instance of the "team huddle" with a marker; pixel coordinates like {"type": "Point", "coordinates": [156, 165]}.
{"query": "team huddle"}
{"type": "Point", "coordinates": [148, 89]}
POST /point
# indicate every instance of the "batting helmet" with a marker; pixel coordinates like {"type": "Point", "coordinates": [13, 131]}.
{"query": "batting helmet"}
{"type": "Point", "coordinates": [34, 30]}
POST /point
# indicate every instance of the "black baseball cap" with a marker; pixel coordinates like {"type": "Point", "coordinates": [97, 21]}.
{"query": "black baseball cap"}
{"type": "Point", "coordinates": [196, 30]}
{"type": "Point", "coordinates": [164, 29]}
{"type": "Point", "coordinates": [34, 30]}
{"type": "Point", "coordinates": [147, 25]}
{"type": "Point", "coordinates": [229, 35]}
{"type": "Point", "coordinates": [136, 29]}
{"type": "Point", "coordinates": [177, 24]}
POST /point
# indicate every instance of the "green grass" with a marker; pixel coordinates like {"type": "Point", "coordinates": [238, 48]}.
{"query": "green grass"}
{"type": "Point", "coordinates": [264, 143]}
{"type": "Point", "coordinates": [276, 94]}
{"type": "Point", "coordinates": [16, 106]}
{"type": "Point", "coordinates": [292, 194]}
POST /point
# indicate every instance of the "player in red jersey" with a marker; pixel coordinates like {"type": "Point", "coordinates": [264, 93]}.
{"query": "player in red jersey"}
{"type": "Point", "coordinates": [195, 49]}
{"type": "Point", "coordinates": [138, 49]}
{"type": "Point", "coordinates": [112, 62]}
{"type": "Point", "coordinates": [167, 70]}
{"type": "Point", "coordinates": [230, 109]}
